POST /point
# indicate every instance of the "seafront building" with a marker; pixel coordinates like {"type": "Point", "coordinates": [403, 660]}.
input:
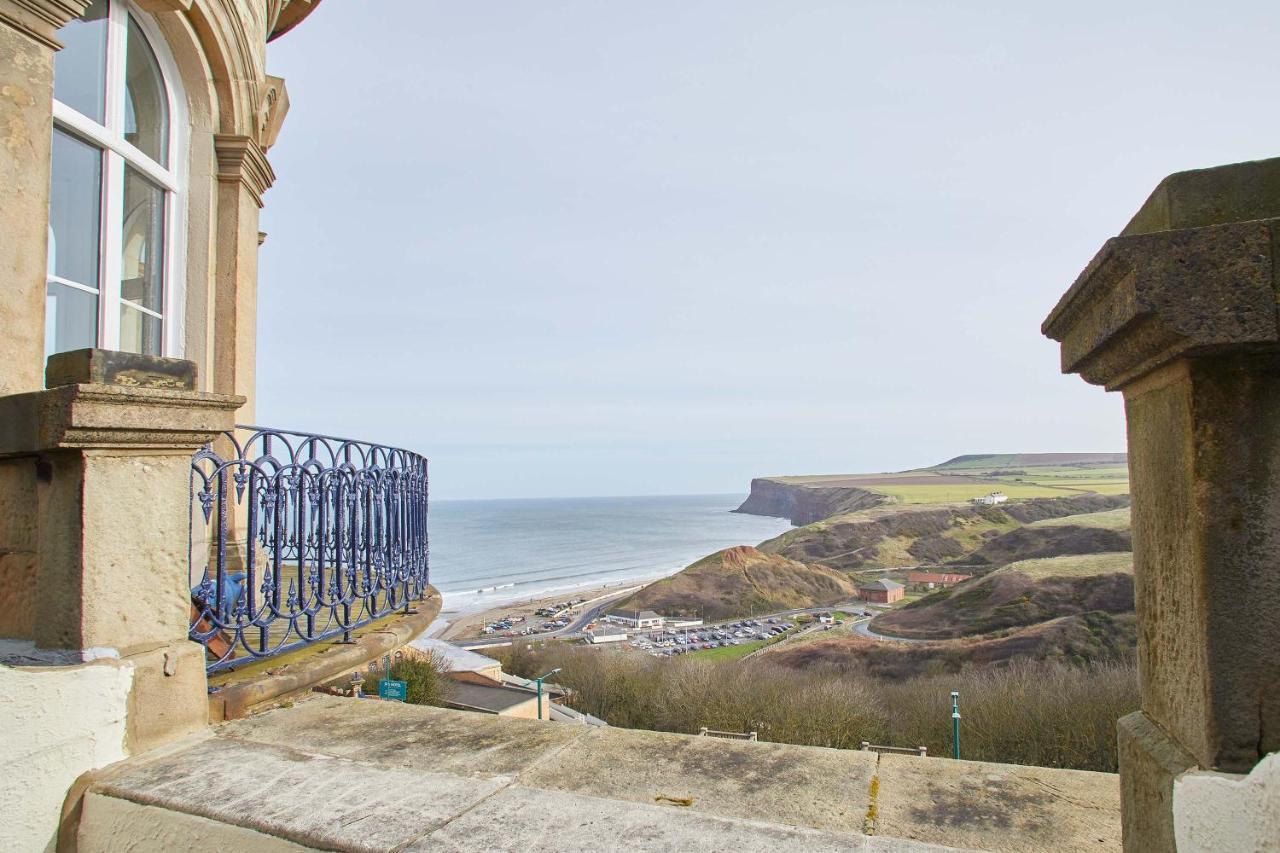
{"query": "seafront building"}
{"type": "Point", "coordinates": [174, 586]}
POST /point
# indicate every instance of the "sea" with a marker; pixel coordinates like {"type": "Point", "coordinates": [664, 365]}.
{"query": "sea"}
{"type": "Point", "coordinates": [488, 553]}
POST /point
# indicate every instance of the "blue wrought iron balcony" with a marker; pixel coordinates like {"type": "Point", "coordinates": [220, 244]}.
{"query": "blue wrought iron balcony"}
{"type": "Point", "coordinates": [298, 538]}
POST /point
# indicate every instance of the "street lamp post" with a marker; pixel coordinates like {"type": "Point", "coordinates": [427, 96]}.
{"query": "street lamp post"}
{"type": "Point", "coordinates": [955, 723]}
{"type": "Point", "coordinates": [539, 680]}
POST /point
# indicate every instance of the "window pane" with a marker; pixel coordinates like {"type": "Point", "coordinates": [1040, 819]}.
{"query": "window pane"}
{"type": "Point", "coordinates": [139, 332]}
{"type": "Point", "coordinates": [75, 209]}
{"type": "Point", "coordinates": [71, 319]}
{"type": "Point", "coordinates": [142, 249]}
{"type": "Point", "coordinates": [80, 68]}
{"type": "Point", "coordinates": [146, 117]}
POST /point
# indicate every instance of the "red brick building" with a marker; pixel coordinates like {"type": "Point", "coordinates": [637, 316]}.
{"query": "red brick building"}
{"type": "Point", "coordinates": [883, 591]}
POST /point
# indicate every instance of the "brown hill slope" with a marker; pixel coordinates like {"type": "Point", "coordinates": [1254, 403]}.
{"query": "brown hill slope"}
{"type": "Point", "coordinates": [1086, 637]}
{"type": "Point", "coordinates": [896, 535]}
{"type": "Point", "coordinates": [742, 581]}
{"type": "Point", "coordinates": [1019, 595]}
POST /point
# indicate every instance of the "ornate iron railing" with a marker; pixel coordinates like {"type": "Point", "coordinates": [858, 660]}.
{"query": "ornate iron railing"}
{"type": "Point", "coordinates": [297, 538]}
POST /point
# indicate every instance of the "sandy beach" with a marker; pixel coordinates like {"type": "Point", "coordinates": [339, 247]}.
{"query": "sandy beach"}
{"type": "Point", "coordinates": [468, 625]}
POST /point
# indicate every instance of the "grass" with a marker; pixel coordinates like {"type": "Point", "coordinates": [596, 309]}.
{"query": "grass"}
{"type": "Point", "coordinates": [1073, 566]}
{"type": "Point", "coordinates": [1112, 519]}
{"type": "Point", "coordinates": [955, 492]}
{"type": "Point", "coordinates": [726, 653]}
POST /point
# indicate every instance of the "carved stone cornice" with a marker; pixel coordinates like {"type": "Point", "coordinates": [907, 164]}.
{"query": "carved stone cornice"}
{"type": "Point", "coordinates": [112, 417]}
{"type": "Point", "coordinates": [1195, 273]}
{"type": "Point", "coordinates": [284, 15]}
{"type": "Point", "coordinates": [241, 160]}
{"type": "Point", "coordinates": [272, 110]}
{"type": "Point", "coordinates": [41, 19]}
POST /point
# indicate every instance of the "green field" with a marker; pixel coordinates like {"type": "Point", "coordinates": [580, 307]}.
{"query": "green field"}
{"type": "Point", "coordinates": [954, 492]}
{"type": "Point", "coordinates": [729, 652]}
{"type": "Point", "coordinates": [1073, 566]}
{"type": "Point", "coordinates": [1112, 519]}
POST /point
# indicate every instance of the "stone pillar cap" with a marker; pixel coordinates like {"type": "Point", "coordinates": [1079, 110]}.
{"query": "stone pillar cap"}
{"type": "Point", "coordinates": [1193, 273]}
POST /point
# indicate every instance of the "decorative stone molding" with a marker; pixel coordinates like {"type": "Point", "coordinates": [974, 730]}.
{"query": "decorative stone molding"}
{"type": "Point", "coordinates": [112, 417]}
{"type": "Point", "coordinates": [1147, 299]}
{"type": "Point", "coordinates": [41, 19]}
{"type": "Point", "coordinates": [284, 15]}
{"type": "Point", "coordinates": [272, 110]}
{"type": "Point", "coordinates": [241, 160]}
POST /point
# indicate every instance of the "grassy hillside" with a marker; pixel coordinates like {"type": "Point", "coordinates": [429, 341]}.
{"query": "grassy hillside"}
{"type": "Point", "coordinates": [1019, 595]}
{"type": "Point", "coordinates": [805, 499]}
{"type": "Point", "coordinates": [1090, 637]}
{"type": "Point", "coordinates": [742, 581]}
{"type": "Point", "coordinates": [1112, 519]}
{"type": "Point", "coordinates": [893, 535]}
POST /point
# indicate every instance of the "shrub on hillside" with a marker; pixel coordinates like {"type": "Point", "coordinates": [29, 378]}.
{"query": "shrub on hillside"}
{"type": "Point", "coordinates": [1046, 713]}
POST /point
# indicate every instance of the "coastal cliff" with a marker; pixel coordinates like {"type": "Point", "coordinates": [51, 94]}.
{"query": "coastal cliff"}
{"type": "Point", "coordinates": [803, 503]}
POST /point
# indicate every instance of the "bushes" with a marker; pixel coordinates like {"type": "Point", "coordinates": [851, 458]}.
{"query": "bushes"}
{"type": "Point", "coordinates": [1044, 713]}
{"type": "Point", "coordinates": [423, 677]}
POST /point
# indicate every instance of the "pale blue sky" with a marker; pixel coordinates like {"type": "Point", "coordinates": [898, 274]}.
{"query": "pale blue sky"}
{"type": "Point", "coordinates": [607, 248]}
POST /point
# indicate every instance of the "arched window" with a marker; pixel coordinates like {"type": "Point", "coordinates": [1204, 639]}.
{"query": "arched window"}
{"type": "Point", "coordinates": [115, 204]}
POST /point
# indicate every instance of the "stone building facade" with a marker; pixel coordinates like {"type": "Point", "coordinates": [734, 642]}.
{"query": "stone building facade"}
{"type": "Point", "coordinates": [133, 161]}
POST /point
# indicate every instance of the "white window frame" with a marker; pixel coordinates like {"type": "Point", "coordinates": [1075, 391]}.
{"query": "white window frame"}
{"type": "Point", "coordinates": [109, 137]}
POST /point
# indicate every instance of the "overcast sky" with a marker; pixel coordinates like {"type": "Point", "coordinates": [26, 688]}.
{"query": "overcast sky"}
{"type": "Point", "coordinates": [613, 248]}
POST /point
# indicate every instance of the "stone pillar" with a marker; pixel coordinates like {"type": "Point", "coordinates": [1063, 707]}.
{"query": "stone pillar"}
{"type": "Point", "coordinates": [111, 468]}
{"type": "Point", "coordinates": [1179, 313]}
{"type": "Point", "coordinates": [243, 176]}
{"type": "Point", "coordinates": [27, 45]}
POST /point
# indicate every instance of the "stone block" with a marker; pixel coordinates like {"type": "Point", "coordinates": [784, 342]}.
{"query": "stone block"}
{"type": "Point", "coordinates": [111, 367]}
{"type": "Point", "coordinates": [1150, 762]}
{"type": "Point", "coordinates": [168, 700]}
{"type": "Point", "coordinates": [1236, 192]}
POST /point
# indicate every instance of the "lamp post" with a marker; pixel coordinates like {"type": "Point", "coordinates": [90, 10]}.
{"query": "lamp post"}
{"type": "Point", "coordinates": [955, 723]}
{"type": "Point", "coordinates": [539, 680]}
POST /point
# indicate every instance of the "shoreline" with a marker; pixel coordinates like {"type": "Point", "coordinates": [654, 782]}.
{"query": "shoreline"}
{"type": "Point", "coordinates": [467, 625]}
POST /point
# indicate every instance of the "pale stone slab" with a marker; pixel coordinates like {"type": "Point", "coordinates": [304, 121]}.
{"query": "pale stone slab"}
{"type": "Point", "coordinates": [108, 825]}
{"type": "Point", "coordinates": [431, 739]}
{"type": "Point", "coordinates": [806, 786]}
{"type": "Point", "coordinates": [314, 800]}
{"type": "Point", "coordinates": [533, 821]}
{"type": "Point", "coordinates": [999, 807]}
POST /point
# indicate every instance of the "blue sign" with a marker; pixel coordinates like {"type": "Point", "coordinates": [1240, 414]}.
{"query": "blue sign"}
{"type": "Point", "coordinates": [396, 691]}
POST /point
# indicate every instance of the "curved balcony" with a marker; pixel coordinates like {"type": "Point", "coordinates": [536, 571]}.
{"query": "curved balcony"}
{"type": "Point", "coordinates": [298, 538]}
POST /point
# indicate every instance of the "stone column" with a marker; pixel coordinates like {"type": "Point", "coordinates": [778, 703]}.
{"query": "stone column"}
{"type": "Point", "coordinates": [243, 176]}
{"type": "Point", "coordinates": [109, 446]}
{"type": "Point", "coordinates": [1179, 313]}
{"type": "Point", "coordinates": [27, 45]}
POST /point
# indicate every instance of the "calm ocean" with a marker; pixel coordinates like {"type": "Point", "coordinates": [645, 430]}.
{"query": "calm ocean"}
{"type": "Point", "coordinates": [492, 552]}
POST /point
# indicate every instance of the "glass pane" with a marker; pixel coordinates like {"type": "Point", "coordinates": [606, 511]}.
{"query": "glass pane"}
{"type": "Point", "coordinates": [80, 68]}
{"type": "Point", "coordinates": [75, 209]}
{"type": "Point", "coordinates": [146, 116]}
{"type": "Point", "coordinates": [70, 320]}
{"type": "Point", "coordinates": [139, 332]}
{"type": "Point", "coordinates": [142, 247]}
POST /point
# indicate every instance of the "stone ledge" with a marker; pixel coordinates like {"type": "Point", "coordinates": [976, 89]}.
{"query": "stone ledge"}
{"type": "Point", "coordinates": [241, 692]}
{"type": "Point", "coordinates": [347, 774]}
{"type": "Point", "coordinates": [112, 417]}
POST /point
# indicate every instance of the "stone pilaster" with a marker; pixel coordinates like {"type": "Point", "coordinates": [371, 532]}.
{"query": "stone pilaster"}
{"type": "Point", "coordinates": [1179, 313]}
{"type": "Point", "coordinates": [243, 176]}
{"type": "Point", "coordinates": [28, 30]}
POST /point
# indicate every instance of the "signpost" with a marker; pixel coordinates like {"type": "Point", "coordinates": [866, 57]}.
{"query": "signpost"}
{"type": "Point", "coordinates": [396, 691]}
{"type": "Point", "coordinates": [955, 724]}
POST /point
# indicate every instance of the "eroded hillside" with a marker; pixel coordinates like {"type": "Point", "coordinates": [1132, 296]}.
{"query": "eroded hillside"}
{"type": "Point", "coordinates": [742, 581]}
